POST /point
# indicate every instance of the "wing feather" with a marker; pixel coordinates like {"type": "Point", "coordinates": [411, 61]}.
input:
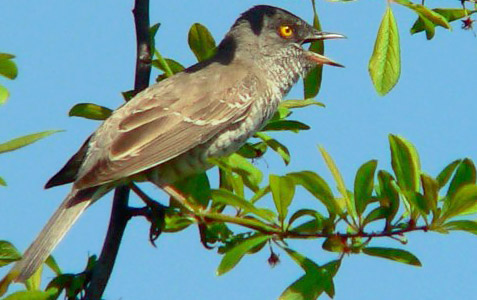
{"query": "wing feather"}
{"type": "Point", "coordinates": [165, 121]}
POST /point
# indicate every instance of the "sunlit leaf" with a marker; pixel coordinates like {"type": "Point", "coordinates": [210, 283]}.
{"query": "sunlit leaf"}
{"type": "Point", "coordinates": [464, 174]}
{"type": "Point", "coordinates": [3, 182]}
{"type": "Point", "coordinates": [25, 140]}
{"type": "Point", "coordinates": [364, 184]}
{"type": "Point", "coordinates": [450, 14]}
{"type": "Point", "coordinates": [307, 212]}
{"type": "Point", "coordinates": [251, 175]}
{"type": "Point", "coordinates": [276, 146]}
{"type": "Point", "coordinates": [234, 255]}
{"type": "Point", "coordinates": [316, 280]}
{"type": "Point", "coordinates": [339, 181]}
{"type": "Point", "coordinates": [168, 65]}
{"type": "Point", "coordinates": [463, 225]}
{"type": "Point", "coordinates": [53, 265]}
{"type": "Point", "coordinates": [300, 103]}
{"type": "Point", "coordinates": [398, 255]}
{"type": "Point", "coordinates": [405, 163]}
{"type": "Point", "coordinates": [431, 191]}
{"type": "Point", "coordinates": [4, 94]}
{"type": "Point", "coordinates": [385, 63]}
{"type": "Point", "coordinates": [152, 36]}
{"type": "Point", "coordinates": [377, 214]}
{"type": "Point", "coordinates": [8, 253]}
{"type": "Point", "coordinates": [283, 190]}
{"type": "Point", "coordinates": [447, 172]}
{"type": "Point", "coordinates": [34, 281]}
{"type": "Point", "coordinates": [229, 198]}
{"type": "Point", "coordinates": [318, 187]}
{"type": "Point", "coordinates": [201, 42]}
{"type": "Point", "coordinates": [90, 111]}
{"type": "Point", "coordinates": [389, 196]}
{"type": "Point", "coordinates": [464, 201]}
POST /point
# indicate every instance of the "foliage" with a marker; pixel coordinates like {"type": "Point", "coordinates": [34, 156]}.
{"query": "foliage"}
{"type": "Point", "coordinates": [381, 204]}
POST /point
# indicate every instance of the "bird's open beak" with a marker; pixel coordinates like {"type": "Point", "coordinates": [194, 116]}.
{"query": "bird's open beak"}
{"type": "Point", "coordinates": [318, 58]}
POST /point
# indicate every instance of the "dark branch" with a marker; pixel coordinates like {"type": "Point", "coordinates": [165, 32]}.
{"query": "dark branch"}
{"type": "Point", "coordinates": [120, 214]}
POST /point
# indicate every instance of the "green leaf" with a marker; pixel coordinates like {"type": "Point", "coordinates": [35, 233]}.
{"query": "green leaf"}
{"type": "Point", "coordinates": [339, 181]}
{"type": "Point", "coordinates": [196, 188]}
{"type": "Point", "coordinates": [229, 198]}
{"type": "Point", "coordinates": [25, 140]}
{"type": "Point", "coordinates": [251, 175]}
{"type": "Point", "coordinates": [3, 182]}
{"type": "Point", "coordinates": [377, 214]}
{"type": "Point", "coordinates": [312, 81]}
{"type": "Point", "coordinates": [31, 295]}
{"type": "Point", "coordinates": [385, 63]}
{"type": "Point", "coordinates": [283, 190]}
{"type": "Point", "coordinates": [316, 279]}
{"type": "Point", "coordinates": [425, 13]}
{"type": "Point", "coordinates": [398, 255]}
{"type": "Point", "coordinates": [431, 191]}
{"type": "Point", "coordinates": [234, 255]}
{"type": "Point", "coordinates": [363, 185]}
{"type": "Point", "coordinates": [275, 146]}
{"type": "Point", "coordinates": [8, 68]}
{"type": "Point", "coordinates": [8, 253]}
{"type": "Point", "coordinates": [201, 42]}
{"type": "Point", "coordinates": [252, 151]}
{"type": "Point", "coordinates": [446, 174]}
{"type": "Point", "coordinates": [431, 15]}
{"type": "Point", "coordinates": [152, 36]}
{"type": "Point", "coordinates": [280, 125]}
{"type": "Point", "coordinates": [452, 14]}
{"type": "Point", "coordinates": [388, 195]}
{"type": "Point", "coordinates": [307, 212]}
{"type": "Point", "coordinates": [259, 194]}
{"type": "Point", "coordinates": [464, 201]}
{"type": "Point", "coordinates": [53, 265]}
{"type": "Point", "coordinates": [318, 187]}
{"type": "Point", "coordinates": [405, 163]}
{"type": "Point", "coordinates": [175, 221]}
{"type": "Point", "coordinates": [463, 225]}
{"type": "Point", "coordinates": [464, 174]}
{"type": "Point", "coordinates": [90, 111]}
{"type": "Point", "coordinates": [335, 243]}
{"type": "Point", "coordinates": [426, 25]}
{"type": "Point", "coordinates": [6, 56]}
{"type": "Point", "coordinates": [417, 201]}
{"type": "Point", "coordinates": [300, 103]}
{"type": "Point", "coordinates": [4, 94]}
{"type": "Point", "coordinates": [167, 65]}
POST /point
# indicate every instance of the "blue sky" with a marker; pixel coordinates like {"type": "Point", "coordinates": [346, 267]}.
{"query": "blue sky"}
{"type": "Point", "coordinates": [84, 51]}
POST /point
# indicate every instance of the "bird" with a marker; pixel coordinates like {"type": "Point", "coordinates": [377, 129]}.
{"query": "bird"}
{"type": "Point", "coordinates": [172, 129]}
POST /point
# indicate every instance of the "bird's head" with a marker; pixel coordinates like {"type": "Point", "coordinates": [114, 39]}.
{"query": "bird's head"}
{"type": "Point", "coordinates": [270, 31]}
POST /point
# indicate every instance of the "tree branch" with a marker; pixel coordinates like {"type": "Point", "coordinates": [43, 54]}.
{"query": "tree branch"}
{"type": "Point", "coordinates": [120, 211]}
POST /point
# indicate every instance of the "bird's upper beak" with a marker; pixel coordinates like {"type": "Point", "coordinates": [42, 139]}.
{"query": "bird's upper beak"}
{"type": "Point", "coordinates": [318, 58]}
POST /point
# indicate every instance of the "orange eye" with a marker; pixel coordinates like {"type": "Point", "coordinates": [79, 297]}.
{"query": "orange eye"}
{"type": "Point", "coordinates": [285, 31]}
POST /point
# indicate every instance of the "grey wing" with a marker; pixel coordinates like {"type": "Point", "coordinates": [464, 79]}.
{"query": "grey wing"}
{"type": "Point", "coordinates": [159, 126]}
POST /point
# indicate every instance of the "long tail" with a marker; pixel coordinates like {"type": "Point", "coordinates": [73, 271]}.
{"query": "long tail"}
{"type": "Point", "coordinates": [53, 232]}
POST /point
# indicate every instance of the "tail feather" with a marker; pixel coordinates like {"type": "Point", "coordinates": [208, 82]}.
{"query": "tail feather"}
{"type": "Point", "coordinates": [53, 232]}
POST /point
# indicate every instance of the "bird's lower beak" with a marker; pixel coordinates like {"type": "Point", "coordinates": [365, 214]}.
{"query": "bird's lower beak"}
{"type": "Point", "coordinates": [318, 58]}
